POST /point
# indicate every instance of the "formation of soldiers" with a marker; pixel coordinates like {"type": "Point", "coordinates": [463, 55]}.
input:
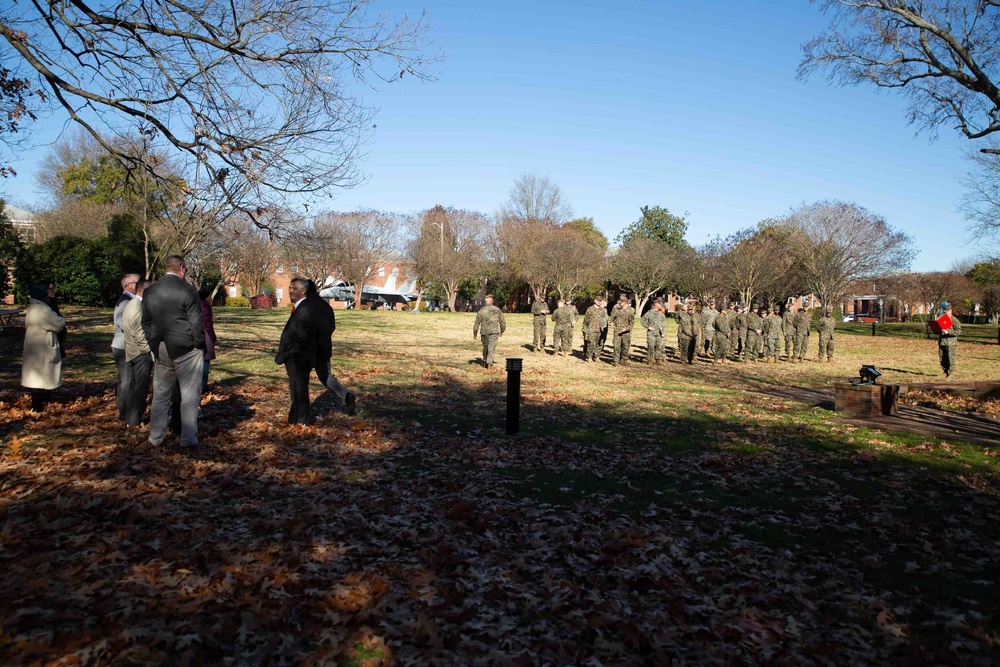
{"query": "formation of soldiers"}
{"type": "Point", "coordinates": [734, 333]}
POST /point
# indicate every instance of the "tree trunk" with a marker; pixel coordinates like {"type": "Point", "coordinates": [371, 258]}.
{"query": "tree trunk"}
{"type": "Point", "coordinates": [416, 306]}
{"type": "Point", "coordinates": [640, 303]}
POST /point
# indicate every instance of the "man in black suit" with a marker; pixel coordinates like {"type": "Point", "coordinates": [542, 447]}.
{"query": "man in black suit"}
{"type": "Point", "coordinates": [172, 323]}
{"type": "Point", "coordinates": [305, 345]}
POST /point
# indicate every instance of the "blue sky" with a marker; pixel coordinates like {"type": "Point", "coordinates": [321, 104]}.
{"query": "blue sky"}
{"type": "Point", "coordinates": [693, 106]}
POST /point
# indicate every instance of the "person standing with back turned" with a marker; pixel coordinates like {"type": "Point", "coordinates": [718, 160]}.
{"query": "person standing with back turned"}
{"type": "Point", "coordinates": [489, 323]}
{"type": "Point", "coordinates": [175, 331]}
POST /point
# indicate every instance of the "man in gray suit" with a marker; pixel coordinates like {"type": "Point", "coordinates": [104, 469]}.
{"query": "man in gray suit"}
{"type": "Point", "coordinates": [175, 331]}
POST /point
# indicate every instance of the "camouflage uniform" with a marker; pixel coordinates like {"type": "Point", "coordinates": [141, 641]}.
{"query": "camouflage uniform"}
{"type": "Point", "coordinates": [562, 334]}
{"type": "Point", "coordinates": [539, 309]}
{"type": "Point", "coordinates": [948, 346]}
{"type": "Point", "coordinates": [622, 319]}
{"type": "Point", "coordinates": [825, 326]}
{"type": "Point", "coordinates": [772, 337]}
{"type": "Point", "coordinates": [708, 316]}
{"type": "Point", "coordinates": [489, 323]}
{"type": "Point", "coordinates": [686, 335]}
{"type": "Point", "coordinates": [754, 326]}
{"type": "Point", "coordinates": [656, 326]}
{"type": "Point", "coordinates": [594, 320]}
{"type": "Point", "coordinates": [802, 322]}
{"type": "Point", "coordinates": [699, 333]}
{"type": "Point", "coordinates": [788, 329]}
{"type": "Point", "coordinates": [742, 329]}
{"type": "Point", "coordinates": [723, 329]}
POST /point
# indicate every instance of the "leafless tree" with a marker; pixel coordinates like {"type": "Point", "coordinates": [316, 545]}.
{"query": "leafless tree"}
{"type": "Point", "coordinates": [645, 267]}
{"type": "Point", "coordinates": [841, 243]}
{"type": "Point", "coordinates": [981, 202]}
{"type": "Point", "coordinates": [84, 220]}
{"type": "Point", "coordinates": [933, 287]}
{"type": "Point", "coordinates": [536, 198]}
{"type": "Point", "coordinates": [573, 261]}
{"type": "Point", "coordinates": [363, 241]}
{"type": "Point", "coordinates": [250, 254]}
{"type": "Point", "coordinates": [262, 94]}
{"type": "Point", "coordinates": [312, 246]}
{"type": "Point", "coordinates": [942, 54]}
{"type": "Point", "coordinates": [515, 251]}
{"type": "Point", "coordinates": [758, 262]}
{"type": "Point", "coordinates": [448, 248]}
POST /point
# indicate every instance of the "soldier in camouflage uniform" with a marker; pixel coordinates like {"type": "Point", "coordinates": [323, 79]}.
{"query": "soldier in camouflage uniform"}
{"type": "Point", "coordinates": [655, 322]}
{"type": "Point", "coordinates": [948, 341]}
{"type": "Point", "coordinates": [699, 332]}
{"type": "Point", "coordinates": [489, 323]}
{"type": "Point", "coordinates": [539, 309]}
{"type": "Point", "coordinates": [825, 326]}
{"type": "Point", "coordinates": [722, 330]}
{"type": "Point", "coordinates": [742, 330]}
{"type": "Point", "coordinates": [708, 316]}
{"type": "Point", "coordinates": [754, 329]}
{"type": "Point", "coordinates": [803, 320]}
{"type": "Point", "coordinates": [788, 328]}
{"type": "Point", "coordinates": [622, 319]}
{"type": "Point", "coordinates": [772, 336]}
{"type": "Point", "coordinates": [686, 334]}
{"type": "Point", "coordinates": [562, 334]}
{"type": "Point", "coordinates": [595, 320]}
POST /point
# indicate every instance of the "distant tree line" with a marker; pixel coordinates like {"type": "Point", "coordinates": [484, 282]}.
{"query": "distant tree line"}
{"type": "Point", "coordinates": [104, 221]}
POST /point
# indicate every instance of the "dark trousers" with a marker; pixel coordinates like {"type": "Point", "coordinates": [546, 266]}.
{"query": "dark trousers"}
{"type": "Point", "coordinates": [140, 369]}
{"type": "Point", "coordinates": [298, 388]}
{"type": "Point", "coordinates": [39, 398]}
{"type": "Point", "coordinates": [124, 380]}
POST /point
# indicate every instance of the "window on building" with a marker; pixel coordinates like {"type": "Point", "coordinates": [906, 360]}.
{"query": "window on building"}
{"type": "Point", "coordinates": [295, 268]}
{"type": "Point", "coordinates": [233, 290]}
{"type": "Point", "coordinates": [395, 271]}
{"type": "Point", "coordinates": [279, 293]}
{"type": "Point", "coordinates": [281, 268]}
{"type": "Point", "coordinates": [381, 272]}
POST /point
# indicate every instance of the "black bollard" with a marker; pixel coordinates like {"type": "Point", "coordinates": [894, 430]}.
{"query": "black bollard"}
{"type": "Point", "coordinates": [873, 328]}
{"type": "Point", "coordinates": [513, 396]}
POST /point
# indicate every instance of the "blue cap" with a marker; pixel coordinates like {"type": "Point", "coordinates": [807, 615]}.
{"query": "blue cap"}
{"type": "Point", "coordinates": [945, 305]}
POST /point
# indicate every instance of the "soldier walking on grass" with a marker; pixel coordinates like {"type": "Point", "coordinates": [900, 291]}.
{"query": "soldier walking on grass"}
{"type": "Point", "coordinates": [595, 320]}
{"type": "Point", "coordinates": [802, 322]}
{"type": "Point", "coordinates": [539, 309]}
{"type": "Point", "coordinates": [655, 322]}
{"type": "Point", "coordinates": [491, 325]}
{"type": "Point", "coordinates": [825, 326]}
{"type": "Point", "coordinates": [562, 334]}
{"type": "Point", "coordinates": [622, 320]}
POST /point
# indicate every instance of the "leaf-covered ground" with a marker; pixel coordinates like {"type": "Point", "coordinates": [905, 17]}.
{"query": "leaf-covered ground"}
{"type": "Point", "coordinates": [644, 516]}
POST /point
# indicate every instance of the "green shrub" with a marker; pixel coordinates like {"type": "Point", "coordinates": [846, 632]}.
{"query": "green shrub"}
{"type": "Point", "coordinates": [237, 302]}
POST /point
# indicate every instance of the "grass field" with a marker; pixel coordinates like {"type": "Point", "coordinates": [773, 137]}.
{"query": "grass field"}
{"type": "Point", "coordinates": [644, 515]}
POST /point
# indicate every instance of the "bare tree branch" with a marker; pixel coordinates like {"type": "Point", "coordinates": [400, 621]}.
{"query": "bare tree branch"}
{"type": "Point", "coordinates": [262, 94]}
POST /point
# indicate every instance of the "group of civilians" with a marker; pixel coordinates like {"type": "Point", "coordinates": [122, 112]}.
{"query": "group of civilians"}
{"type": "Point", "coordinates": [165, 330]}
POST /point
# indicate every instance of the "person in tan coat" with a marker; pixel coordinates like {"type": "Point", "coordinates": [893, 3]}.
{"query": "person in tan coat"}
{"type": "Point", "coordinates": [41, 360]}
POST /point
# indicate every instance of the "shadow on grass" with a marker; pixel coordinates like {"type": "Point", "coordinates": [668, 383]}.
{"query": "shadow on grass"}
{"type": "Point", "coordinates": [588, 536]}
